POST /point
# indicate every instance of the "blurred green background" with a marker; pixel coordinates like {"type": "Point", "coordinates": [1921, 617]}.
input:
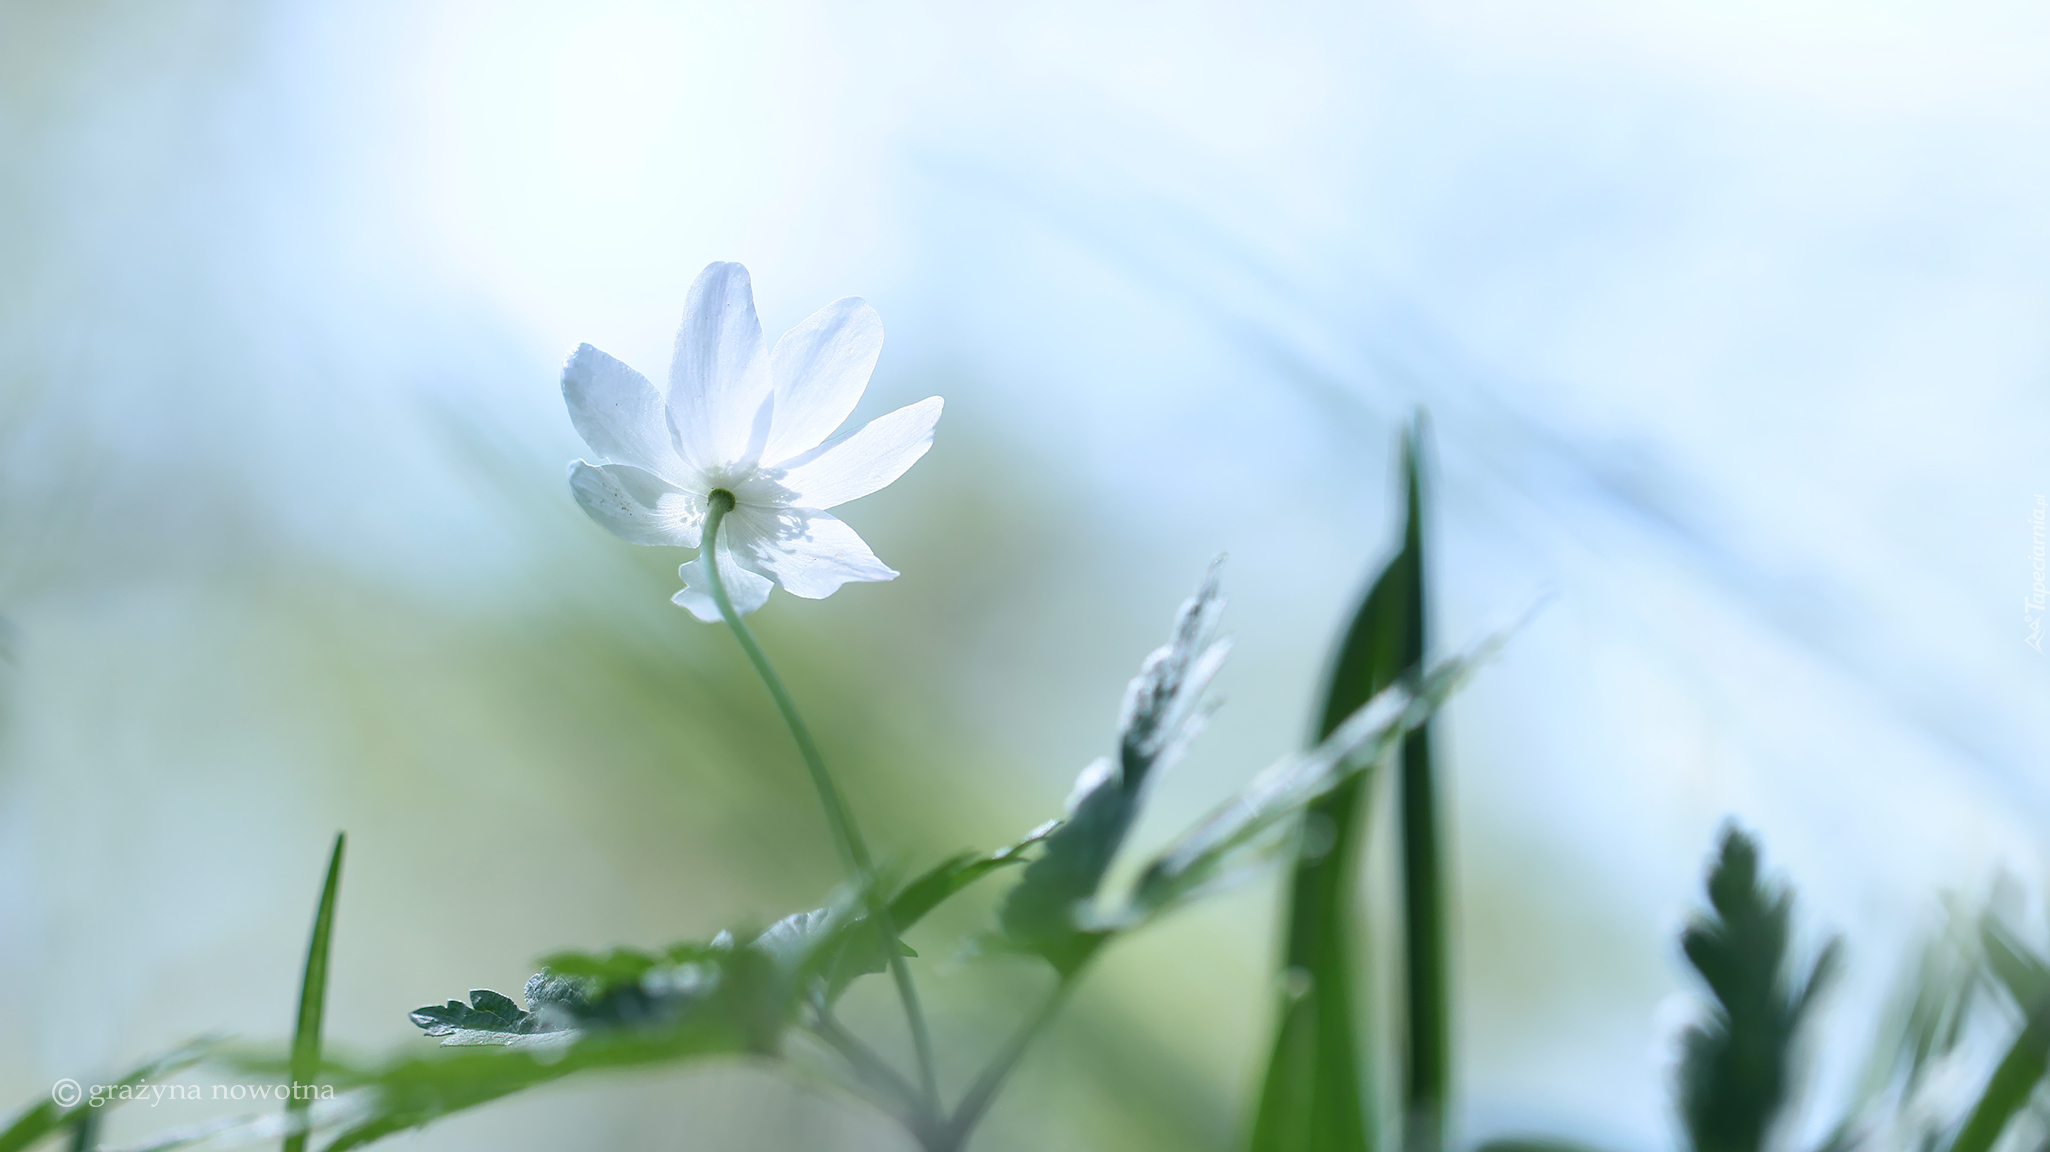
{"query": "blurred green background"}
{"type": "Point", "coordinates": [1729, 318]}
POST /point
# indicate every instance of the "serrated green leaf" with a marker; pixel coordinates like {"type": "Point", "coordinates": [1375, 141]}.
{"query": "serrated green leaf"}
{"type": "Point", "coordinates": [1164, 707]}
{"type": "Point", "coordinates": [46, 1117]}
{"type": "Point", "coordinates": [413, 1092]}
{"type": "Point", "coordinates": [1735, 1066]}
{"type": "Point", "coordinates": [1250, 827]}
{"type": "Point", "coordinates": [313, 997]}
{"type": "Point", "coordinates": [618, 1009]}
{"type": "Point", "coordinates": [489, 1017]}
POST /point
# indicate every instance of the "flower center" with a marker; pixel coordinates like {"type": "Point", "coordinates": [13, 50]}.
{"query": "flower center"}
{"type": "Point", "coordinates": [720, 499]}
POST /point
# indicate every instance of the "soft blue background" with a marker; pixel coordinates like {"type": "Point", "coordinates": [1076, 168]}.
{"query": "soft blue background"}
{"type": "Point", "coordinates": [1730, 319]}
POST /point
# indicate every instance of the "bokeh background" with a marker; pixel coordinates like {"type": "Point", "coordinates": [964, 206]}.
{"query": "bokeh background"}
{"type": "Point", "coordinates": [1730, 320]}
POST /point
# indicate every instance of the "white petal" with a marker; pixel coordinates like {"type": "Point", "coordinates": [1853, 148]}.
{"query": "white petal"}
{"type": "Point", "coordinates": [719, 382]}
{"type": "Point", "coordinates": [637, 506]}
{"type": "Point", "coordinates": [820, 369]}
{"type": "Point", "coordinates": [747, 588]}
{"type": "Point", "coordinates": [617, 412]}
{"type": "Point", "coordinates": [858, 464]}
{"type": "Point", "coordinates": [813, 553]}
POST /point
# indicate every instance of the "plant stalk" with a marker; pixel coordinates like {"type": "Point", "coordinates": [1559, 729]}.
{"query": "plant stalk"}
{"type": "Point", "coordinates": [983, 1093]}
{"type": "Point", "coordinates": [846, 835]}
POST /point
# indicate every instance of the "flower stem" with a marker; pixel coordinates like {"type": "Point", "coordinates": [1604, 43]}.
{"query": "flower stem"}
{"type": "Point", "coordinates": [984, 1091]}
{"type": "Point", "coordinates": [846, 835]}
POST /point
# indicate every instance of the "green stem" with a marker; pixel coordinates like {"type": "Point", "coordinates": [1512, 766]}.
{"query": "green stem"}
{"type": "Point", "coordinates": [984, 1091]}
{"type": "Point", "coordinates": [864, 1061]}
{"type": "Point", "coordinates": [846, 836]}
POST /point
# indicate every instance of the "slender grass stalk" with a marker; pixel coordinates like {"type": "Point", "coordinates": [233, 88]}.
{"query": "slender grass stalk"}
{"type": "Point", "coordinates": [867, 1065]}
{"type": "Point", "coordinates": [312, 1002]}
{"type": "Point", "coordinates": [1428, 1070]}
{"type": "Point", "coordinates": [846, 835]}
{"type": "Point", "coordinates": [85, 1134]}
{"type": "Point", "coordinates": [984, 1091]}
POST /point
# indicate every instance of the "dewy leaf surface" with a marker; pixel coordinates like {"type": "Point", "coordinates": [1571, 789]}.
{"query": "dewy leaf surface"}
{"type": "Point", "coordinates": [1163, 708]}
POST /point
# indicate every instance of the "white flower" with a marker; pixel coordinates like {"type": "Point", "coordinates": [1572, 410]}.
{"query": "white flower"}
{"type": "Point", "coordinates": [754, 422]}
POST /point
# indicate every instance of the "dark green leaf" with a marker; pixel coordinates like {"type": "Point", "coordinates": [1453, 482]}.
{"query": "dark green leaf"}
{"type": "Point", "coordinates": [490, 1017]}
{"type": "Point", "coordinates": [313, 998]}
{"type": "Point", "coordinates": [1163, 708]}
{"type": "Point", "coordinates": [617, 1009]}
{"type": "Point", "coordinates": [1735, 1066]}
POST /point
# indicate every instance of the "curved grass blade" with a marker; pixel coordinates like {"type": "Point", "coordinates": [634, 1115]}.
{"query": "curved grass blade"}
{"type": "Point", "coordinates": [2027, 979]}
{"type": "Point", "coordinates": [1312, 1097]}
{"type": "Point", "coordinates": [85, 1132]}
{"type": "Point", "coordinates": [312, 1001]}
{"type": "Point", "coordinates": [1427, 1063]}
{"type": "Point", "coordinates": [2009, 1088]}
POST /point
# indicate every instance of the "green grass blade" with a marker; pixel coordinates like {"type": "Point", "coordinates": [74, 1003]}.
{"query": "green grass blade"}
{"type": "Point", "coordinates": [313, 1001]}
{"type": "Point", "coordinates": [1312, 1098]}
{"type": "Point", "coordinates": [2027, 979]}
{"type": "Point", "coordinates": [2010, 1087]}
{"type": "Point", "coordinates": [85, 1132]}
{"type": "Point", "coordinates": [1427, 1069]}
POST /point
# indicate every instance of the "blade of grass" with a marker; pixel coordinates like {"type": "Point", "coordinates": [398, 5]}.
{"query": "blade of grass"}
{"type": "Point", "coordinates": [2010, 1087]}
{"type": "Point", "coordinates": [85, 1134]}
{"type": "Point", "coordinates": [312, 1002]}
{"type": "Point", "coordinates": [2027, 979]}
{"type": "Point", "coordinates": [1428, 1066]}
{"type": "Point", "coordinates": [1312, 1098]}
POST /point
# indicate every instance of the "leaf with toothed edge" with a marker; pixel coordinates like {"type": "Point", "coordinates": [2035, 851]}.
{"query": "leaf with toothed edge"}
{"type": "Point", "coordinates": [1164, 707]}
{"type": "Point", "coordinates": [1736, 1066]}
